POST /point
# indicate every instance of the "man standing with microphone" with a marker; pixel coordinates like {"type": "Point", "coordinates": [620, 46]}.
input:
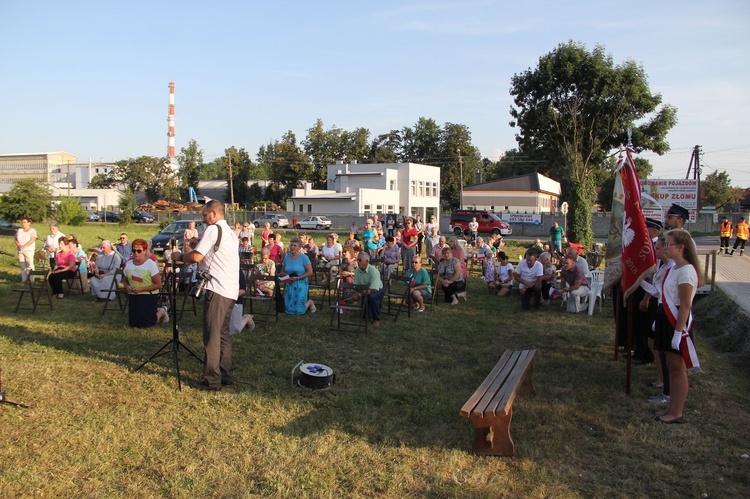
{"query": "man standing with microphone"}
{"type": "Point", "coordinates": [216, 255]}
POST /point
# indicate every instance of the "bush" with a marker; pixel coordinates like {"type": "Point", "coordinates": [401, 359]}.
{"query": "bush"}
{"type": "Point", "coordinates": [28, 198]}
{"type": "Point", "coordinates": [127, 206]}
{"type": "Point", "coordinates": [70, 211]}
{"type": "Point", "coordinates": [165, 222]}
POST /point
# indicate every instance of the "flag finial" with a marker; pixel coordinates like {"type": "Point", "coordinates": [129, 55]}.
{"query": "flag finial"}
{"type": "Point", "coordinates": [630, 137]}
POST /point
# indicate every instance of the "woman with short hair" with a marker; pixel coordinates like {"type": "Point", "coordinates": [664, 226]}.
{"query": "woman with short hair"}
{"type": "Point", "coordinates": [451, 278]}
{"type": "Point", "coordinates": [297, 266]}
{"type": "Point", "coordinates": [142, 283]}
{"type": "Point", "coordinates": [52, 242]}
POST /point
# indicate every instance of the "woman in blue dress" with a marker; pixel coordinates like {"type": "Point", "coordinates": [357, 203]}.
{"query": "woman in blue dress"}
{"type": "Point", "coordinates": [297, 266]}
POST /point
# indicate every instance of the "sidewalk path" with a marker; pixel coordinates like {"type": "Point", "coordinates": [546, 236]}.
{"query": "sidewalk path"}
{"type": "Point", "coordinates": [732, 273]}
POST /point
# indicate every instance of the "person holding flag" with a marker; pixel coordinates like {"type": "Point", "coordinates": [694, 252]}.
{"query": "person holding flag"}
{"type": "Point", "coordinates": [674, 321]}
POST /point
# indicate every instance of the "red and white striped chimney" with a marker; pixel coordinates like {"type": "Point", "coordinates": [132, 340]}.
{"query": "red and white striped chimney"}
{"type": "Point", "coordinates": [170, 123]}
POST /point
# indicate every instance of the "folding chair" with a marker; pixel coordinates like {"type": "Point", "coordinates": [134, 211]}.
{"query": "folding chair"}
{"type": "Point", "coordinates": [79, 278]}
{"type": "Point", "coordinates": [398, 291]}
{"type": "Point", "coordinates": [40, 260]}
{"type": "Point", "coordinates": [320, 280]}
{"type": "Point", "coordinates": [436, 290]}
{"type": "Point", "coordinates": [262, 305]}
{"type": "Point", "coordinates": [35, 286]}
{"type": "Point", "coordinates": [118, 290]}
{"type": "Point", "coordinates": [349, 311]}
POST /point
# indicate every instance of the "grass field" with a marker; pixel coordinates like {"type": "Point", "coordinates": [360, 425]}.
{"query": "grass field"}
{"type": "Point", "coordinates": [389, 426]}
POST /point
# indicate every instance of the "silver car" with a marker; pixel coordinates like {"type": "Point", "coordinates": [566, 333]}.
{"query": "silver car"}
{"type": "Point", "coordinates": [316, 222]}
{"type": "Point", "coordinates": [273, 220]}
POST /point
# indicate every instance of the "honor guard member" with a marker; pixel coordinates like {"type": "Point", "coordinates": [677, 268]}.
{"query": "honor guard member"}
{"type": "Point", "coordinates": [219, 263]}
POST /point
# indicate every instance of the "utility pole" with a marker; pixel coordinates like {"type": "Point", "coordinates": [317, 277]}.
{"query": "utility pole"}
{"type": "Point", "coordinates": [461, 173]}
{"type": "Point", "coordinates": [695, 166]}
{"type": "Point", "coordinates": [68, 178]}
{"type": "Point", "coordinates": [231, 186]}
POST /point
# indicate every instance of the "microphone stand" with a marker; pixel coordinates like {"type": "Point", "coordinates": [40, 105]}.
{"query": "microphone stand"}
{"type": "Point", "coordinates": [173, 345]}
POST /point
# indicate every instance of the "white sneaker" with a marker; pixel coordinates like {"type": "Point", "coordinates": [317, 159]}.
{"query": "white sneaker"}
{"type": "Point", "coordinates": [659, 399]}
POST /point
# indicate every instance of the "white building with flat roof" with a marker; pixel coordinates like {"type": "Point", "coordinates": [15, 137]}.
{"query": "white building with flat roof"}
{"type": "Point", "coordinates": [379, 188]}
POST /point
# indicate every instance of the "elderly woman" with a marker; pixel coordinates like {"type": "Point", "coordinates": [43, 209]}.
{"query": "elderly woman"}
{"type": "Point", "coordinates": [191, 232]}
{"type": "Point", "coordinates": [297, 266]}
{"type": "Point", "coordinates": [420, 285]}
{"type": "Point", "coordinates": [25, 242]}
{"type": "Point", "coordinates": [107, 264]}
{"type": "Point", "coordinates": [264, 236]}
{"type": "Point", "coordinates": [368, 238]}
{"type": "Point", "coordinates": [237, 229]}
{"type": "Point", "coordinates": [549, 275]}
{"type": "Point", "coordinates": [459, 253]}
{"type": "Point", "coordinates": [266, 266]}
{"type": "Point", "coordinates": [391, 257]}
{"type": "Point", "coordinates": [331, 251]}
{"type": "Point", "coordinates": [451, 278]}
{"type": "Point", "coordinates": [52, 242]}
{"type": "Point", "coordinates": [65, 266]}
{"type": "Point", "coordinates": [143, 282]}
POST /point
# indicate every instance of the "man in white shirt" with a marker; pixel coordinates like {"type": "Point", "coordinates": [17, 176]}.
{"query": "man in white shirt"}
{"type": "Point", "coordinates": [529, 274]}
{"type": "Point", "coordinates": [216, 253]}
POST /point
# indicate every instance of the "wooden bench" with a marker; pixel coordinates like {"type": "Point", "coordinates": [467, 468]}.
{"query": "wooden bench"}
{"type": "Point", "coordinates": [490, 408]}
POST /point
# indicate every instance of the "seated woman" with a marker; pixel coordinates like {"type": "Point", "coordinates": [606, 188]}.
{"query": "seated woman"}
{"type": "Point", "coordinates": [297, 266]}
{"type": "Point", "coordinates": [65, 266]}
{"type": "Point", "coordinates": [391, 257]}
{"type": "Point", "coordinates": [421, 284]}
{"type": "Point", "coordinates": [107, 263]}
{"type": "Point", "coordinates": [266, 266]}
{"type": "Point", "coordinates": [83, 262]}
{"type": "Point", "coordinates": [311, 249]}
{"type": "Point", "coordinates": [246, 251]}
{"type": "Point", "coordinates": [331, 252]}
{"type": "Point", "coordinates": [451, 278]}
{"type": "Point", "coordinates": [191, 232]}
{"type": "Point", "coordinates": [352, 241]}
{"type": "Point", "coordinates": [276, 250]}
{"type": "Point", "coordinates": [238, 321]}
{"type": "Point", "coordinates": [458, 252]}
{"type": "Point", "coordinates": [550, 272]}
{"type": "Point", "coordinates": [143, 282]}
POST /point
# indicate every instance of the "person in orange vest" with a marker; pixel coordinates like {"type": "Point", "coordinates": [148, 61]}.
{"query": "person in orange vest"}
{"type": "Point", "coordinates": [725, 233]}
{"type": "Point", "coordinates": [742, 233]}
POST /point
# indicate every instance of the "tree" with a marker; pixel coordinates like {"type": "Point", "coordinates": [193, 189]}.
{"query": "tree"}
{"type": "Point", "coordinates": [386, 148]}
{"type": "Point", "coordinates": [455, 141]}
{"type": "Point", "coordinates": [514, 163]}
{"type": "Point", "coordinates": [575, 107]}
{"type": "Point", "coordinates": [241, 167]}
{"type": "Point", "coordinates": [288, 166]}
{"type": "Point", "coordinates": [716, 190]}
{"type": "Point", "coordinates": [190, 160]}
{"type": "Point", "coordinates": [606, 179]}
{"type": "Point", "coordinates": [70, 211]}
{"type": "Point", "coordinates": [27, 198]}
{"type": "Point", "coordinates": [325, 146]}
{"type": "Point", "coordinates": [127, 204]}
{"type": "Point", "coordinates": [213, 170]}
{"type": "Point", "coordinates": [421, 144]}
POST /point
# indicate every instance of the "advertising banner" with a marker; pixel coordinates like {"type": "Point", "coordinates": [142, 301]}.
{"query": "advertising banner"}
{"type": "Point", "coordinates": [522, 218]}
{"type": "Point", "coordinates": [683, 192]}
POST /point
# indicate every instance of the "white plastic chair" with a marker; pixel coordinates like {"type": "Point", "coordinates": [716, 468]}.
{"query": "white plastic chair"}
{"type": "Point", "coordinates": [597, 284]}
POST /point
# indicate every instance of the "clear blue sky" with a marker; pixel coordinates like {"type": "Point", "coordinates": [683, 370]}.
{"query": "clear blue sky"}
{"type": "Point", "coordinates": [91, 78]}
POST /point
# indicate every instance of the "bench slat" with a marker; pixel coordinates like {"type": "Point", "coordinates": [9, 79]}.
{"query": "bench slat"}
{"type": "Point", "coordinates": [503, 399]}
{"type": "Point", "coordinates": [483, 395]}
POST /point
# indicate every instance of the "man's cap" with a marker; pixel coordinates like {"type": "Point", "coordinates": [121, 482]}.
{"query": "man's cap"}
{"type": "Point", "coordinates": [653, 223]}
{"type": "Point", "coordinates": [678, 210]}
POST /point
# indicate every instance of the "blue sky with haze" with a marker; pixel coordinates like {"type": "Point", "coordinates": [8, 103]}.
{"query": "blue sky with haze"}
{"type": "Point", "coordinates": [91, 78]}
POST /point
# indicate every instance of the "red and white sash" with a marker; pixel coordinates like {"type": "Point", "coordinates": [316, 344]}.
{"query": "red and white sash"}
{"type": "Point", "coordinates": [683, 340]}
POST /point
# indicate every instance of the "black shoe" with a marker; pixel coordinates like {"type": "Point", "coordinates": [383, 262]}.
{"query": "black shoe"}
{"type": "Point", "coordinates": [227, 381]}
{"type": "Point", "coordinates": [204, 386]}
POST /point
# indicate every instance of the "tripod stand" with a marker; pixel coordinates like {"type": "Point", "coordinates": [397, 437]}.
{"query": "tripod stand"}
{"type": "Point", "coordinates": [4, 400]}
{"type": "Point", "coordinates": [173, 345]}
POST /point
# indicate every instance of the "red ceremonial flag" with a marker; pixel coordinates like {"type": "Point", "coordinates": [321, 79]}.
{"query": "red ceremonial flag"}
{"type": "Point", "coordinates": [637, 251]}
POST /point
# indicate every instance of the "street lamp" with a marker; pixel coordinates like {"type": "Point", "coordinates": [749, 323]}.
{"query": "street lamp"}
{"type": "Point", "coordinates": [461, 186]}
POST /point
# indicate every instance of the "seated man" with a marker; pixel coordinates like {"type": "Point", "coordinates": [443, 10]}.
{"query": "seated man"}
{"type": "Point", "coordinates": [437, 251]}
{"type": "Point", "coordinates": [370, 276]}
{"type": "Point", "coordinates": [576, 284]}
{"type": "Point", "coordinates": [579, 261]}
{"type": "Point", "coordinates": [529, 273]}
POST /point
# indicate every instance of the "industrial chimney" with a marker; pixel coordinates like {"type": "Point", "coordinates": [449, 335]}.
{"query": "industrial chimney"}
{"type": "Point", "coordinates": [170, 124]}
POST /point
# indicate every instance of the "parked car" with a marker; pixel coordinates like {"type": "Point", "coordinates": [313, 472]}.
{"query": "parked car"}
{"type": "Point", "coordinates": [489, 222]}
{"type": "Point", "coordinates": [92, 216]}
{"type": "Point", "coordinates": [273, 219]}
{"type": "Point", "coordinates": [317, 223]}
{"type": "Point", "coordinates": [175, 230]}
{"type": "Point", "coordinates": [7, 228]}
{"type": "Point", "coordinates": [144, 217]}
{"type": "Point", "coordinates": [109, 216]}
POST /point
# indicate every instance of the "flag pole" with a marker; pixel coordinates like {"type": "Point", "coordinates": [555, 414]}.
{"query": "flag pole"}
{"type": "Point", "coordinates": [628, 345]}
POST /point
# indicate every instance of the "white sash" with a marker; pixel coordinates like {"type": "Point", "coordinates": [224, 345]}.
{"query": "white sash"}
{"type": "Point", "coordinates": [680, 341]}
